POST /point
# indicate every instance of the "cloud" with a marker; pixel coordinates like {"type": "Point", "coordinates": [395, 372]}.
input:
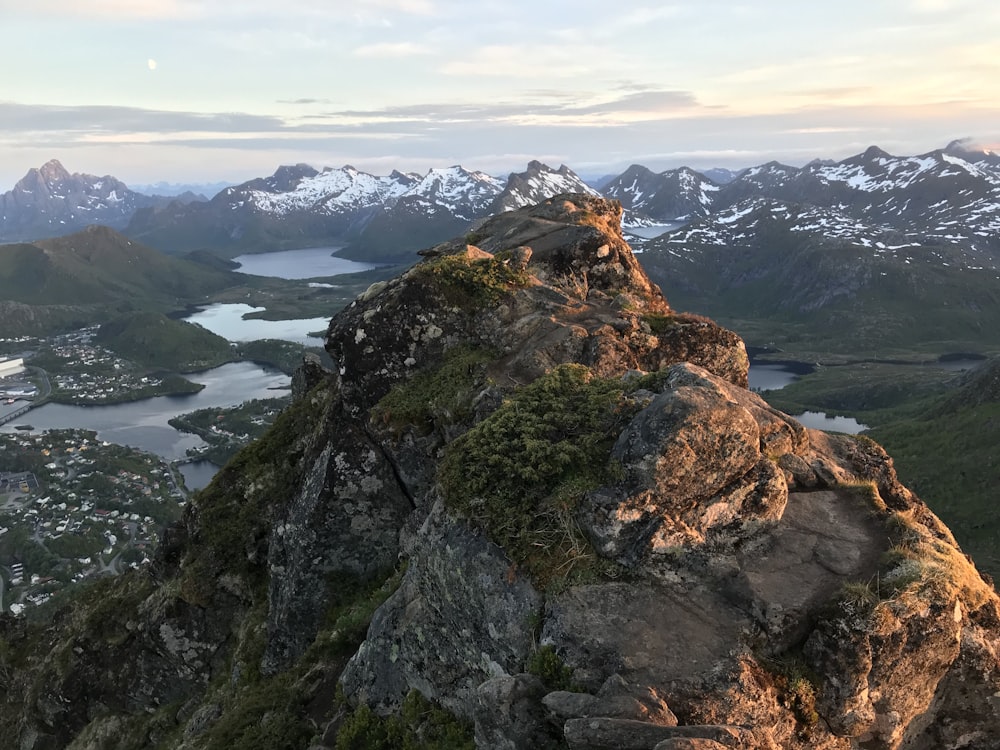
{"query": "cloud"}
{"type": "Point", "coordinates": [391, 50]}
{"type": "Point", "coordinates": [540, 106]}
{"type": "Point", "coordinates": [40, 118]}
{"type": "Point", "coordinates": [125, 10]}
{"type": "Point", "coordinates": [106, 9]}
{"type": "Point", "coordinates": [421, 7]}
{"type": "Point", "coordinates": [522, 61]}
{"type": "Point", "coordinates": [303, 101]}
{"type": "Point", "coordinates": [151, 64]}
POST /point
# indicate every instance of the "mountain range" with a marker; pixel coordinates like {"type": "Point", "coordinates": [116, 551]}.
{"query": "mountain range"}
{"type": "Point", "coordinates": [948, 198]}
{"type": "Point", "coordinates": [854, 245]}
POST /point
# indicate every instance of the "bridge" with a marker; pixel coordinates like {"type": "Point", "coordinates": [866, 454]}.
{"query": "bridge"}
{"type": "Point", "coordinates": [15, 414]}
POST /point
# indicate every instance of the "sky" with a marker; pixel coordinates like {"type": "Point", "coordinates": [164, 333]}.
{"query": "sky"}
{"type": "Point", "coordinates": [202, 91]}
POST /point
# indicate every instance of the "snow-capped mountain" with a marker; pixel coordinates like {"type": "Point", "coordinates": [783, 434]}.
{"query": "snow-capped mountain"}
{"type": "Point", "coordinates": [456, 191]}
{"type": "Point", "coordinates": [865, 252]}
{"type": "Point", "coordinates": [385, 217]}
{"type": "Point", "coordinates": [670, 196]}
{"type": "Point", "coordinates": [755, 221]}
{"type": "Point", "coordinates": [50, 201]}
{"type": "Point", "coordinates": [948, 195]}
{"type": "Point", "coordinates": [538, 182]}
{"type": "Point", "coordinates": [303, 189]}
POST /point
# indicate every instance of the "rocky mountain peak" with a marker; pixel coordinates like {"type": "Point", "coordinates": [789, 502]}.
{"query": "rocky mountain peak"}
{"type": "Point", "coordinates": [53, 171]}
{"type": "Point", "coordinates": [49, 201]}
{"type": "Point", "coordinates": [874, 153]}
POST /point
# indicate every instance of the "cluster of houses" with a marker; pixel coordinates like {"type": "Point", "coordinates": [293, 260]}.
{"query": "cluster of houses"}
{"type": "Point", "coordinates": [97, 373]}
{"type": "Point", "coordinates": [89, 508]}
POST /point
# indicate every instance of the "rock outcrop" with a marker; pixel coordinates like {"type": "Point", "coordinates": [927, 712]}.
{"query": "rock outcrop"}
{"type": "Point", "coordinates": [530, 506]}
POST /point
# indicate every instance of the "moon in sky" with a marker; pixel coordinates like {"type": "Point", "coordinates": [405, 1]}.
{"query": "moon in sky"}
{"type": "Point", "coordinates": [151, 63]}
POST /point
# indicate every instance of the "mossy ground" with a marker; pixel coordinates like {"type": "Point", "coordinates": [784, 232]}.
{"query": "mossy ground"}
{"type": "Point", "coordinates": [470, 282]}
{"type": "Point", "coordinates": [441, 395]}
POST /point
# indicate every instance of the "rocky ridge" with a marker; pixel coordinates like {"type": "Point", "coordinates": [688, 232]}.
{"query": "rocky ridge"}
{"type": "Point", "coordinates": [532, 506]}
{"type": "Point", "coordinates": [49, 201]}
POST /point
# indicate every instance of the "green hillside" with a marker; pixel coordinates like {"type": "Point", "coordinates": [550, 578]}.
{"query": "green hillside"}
{"type": "Point", "coordinates": [155, 341]}
{"type": "Point", "coordinates": [100, 266]}
{"type": "Point", "coordinates": [818, 297]}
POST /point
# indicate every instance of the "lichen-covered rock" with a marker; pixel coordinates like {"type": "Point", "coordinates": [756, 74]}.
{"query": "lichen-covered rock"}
{"type": "Point", "coordinates": [462, 616]}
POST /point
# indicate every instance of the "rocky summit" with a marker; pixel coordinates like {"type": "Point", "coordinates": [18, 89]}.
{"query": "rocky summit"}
{"type": "Point", "coordinates": [532, 506]}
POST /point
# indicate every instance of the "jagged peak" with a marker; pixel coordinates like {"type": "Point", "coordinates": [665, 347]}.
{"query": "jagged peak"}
{"type": "Point", "coordinates": [53, 171]}
{"type": "Point", "coordinates": [873, 153]}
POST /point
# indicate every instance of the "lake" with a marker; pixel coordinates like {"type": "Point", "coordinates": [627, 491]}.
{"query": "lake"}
{"type": "Point", "coordinates": [313, 262]}
{"type": "Point", "coordinates": [143, 424]}
{"type": "Point", "coordinates": [226, 320]}
{"type": "Point", "coordinates": [653, 231]}
{"type": "Point", "coordinates": [770, 377]}
{"type": "Point", "coordinates": [198, 474]}
{"type": "Point", "coordinates": [818, 420]}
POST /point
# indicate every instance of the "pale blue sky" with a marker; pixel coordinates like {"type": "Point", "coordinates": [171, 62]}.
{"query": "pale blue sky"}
{"type": "Point", "coordinates": [203, 90]}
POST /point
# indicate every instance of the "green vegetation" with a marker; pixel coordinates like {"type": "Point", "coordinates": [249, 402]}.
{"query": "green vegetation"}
{"type": "Point", "coordinates": [441, 395]}
{"type": "Point", "coordinates": [796, 685]}
{"type": "Point", "coordinates": [353, 601]}
{"type": "Point", "coordinates": [264, 712]}
{"type": "Point", "coordinates": [227, 429]}
{"type": "Point", "coordinates": [234, 511]}
{"type": "Point", "coordinates": [420, 725]}
{"type": "Point", "coordinates": [154, 341]}
{"type": "Point", "coordinates": [521, 472]}
{"type": "Point", "coordinates": [950, 460]}
{"type": "Point", "coordinates": [815, 296]}
{"type": "Point", "coordinates": [659, 322]}
{"type": "Point", "coordinates": [546, 664]}
{"type": "Point", "coordinates": [470, 282]}
{"type": "Point", "coordinates": [268, 715]}
{"type": "Point", "coordinates": [96, 266]}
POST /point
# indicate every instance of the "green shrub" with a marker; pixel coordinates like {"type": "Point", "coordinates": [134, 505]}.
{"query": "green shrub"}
{"type": "Point", "coordinates": [796, 685]}
{"type": "Point", "coordinates": [659, 323]}
{"type": "Point", "coordinates": [443, 393]}
{"type": "Point", "coordinates": [353, 601]}
{"type": "Point", "coordinates": [521, 472]}
{"type": "Point", "coordinates": [419, 725]}
{"type": "Point", "coordinates": [546, 664]}
{"type": "Point", "coordinates": [470, 282]}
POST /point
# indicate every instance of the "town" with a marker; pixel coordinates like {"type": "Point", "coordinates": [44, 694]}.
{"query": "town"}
{"type": "Point", "coordinates": [82, 372]}
{"type": "Point", "coordinates": [73, 508]}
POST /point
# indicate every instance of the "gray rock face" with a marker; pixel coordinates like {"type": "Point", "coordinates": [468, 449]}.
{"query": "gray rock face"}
{"type": "Point", "coordinates": [344, 519]}
{"type": "Point", "coordinates": [463, 615]}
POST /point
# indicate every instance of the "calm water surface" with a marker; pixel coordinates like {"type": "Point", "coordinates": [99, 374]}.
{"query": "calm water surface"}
{"type": "Point", "coordinates": [226, 320]}
{"type": "Point", "coordinates": [764, 377]}
{"type": "Point", "coordinates": [143, 424]}
{"type": "Point", "coordinates": [313, 262]}
{"type": "Point", "coordinates": [198, 474]}
{"type": "Point", "coordinates": [818, 420]}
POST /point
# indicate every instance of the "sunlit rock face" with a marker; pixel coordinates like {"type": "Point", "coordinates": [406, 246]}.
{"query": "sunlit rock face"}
{"type": "Point", "coordinates": [532, 493]}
